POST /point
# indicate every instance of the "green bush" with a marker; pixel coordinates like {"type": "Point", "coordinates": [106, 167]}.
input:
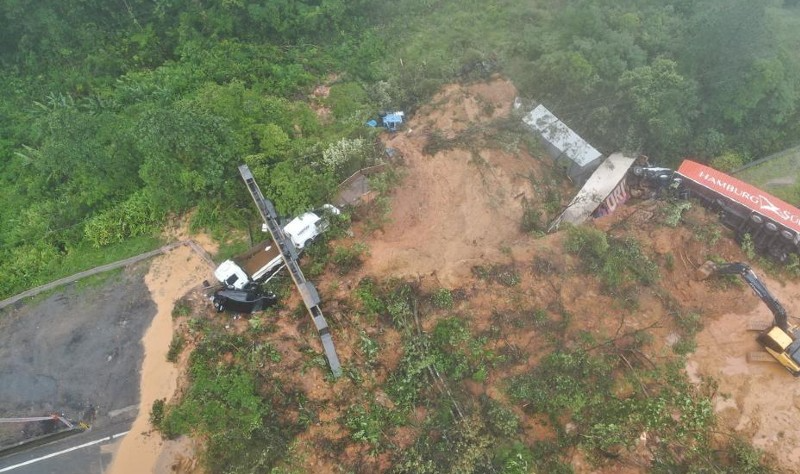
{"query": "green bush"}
{"type": "Point", "coordinates": [175, 347]}
{"type": "Point", "coordinates": [459, 446]}
{"type": "Point", "coordinates": [368, 347]}
{"type": "Point", "coordinates": [370, 424]}
{"type": "Point", "coordinates": [368, 293]}
{"type": "Point", "coordinates": [588, 243]}
{"type": "Point", "coordinates": [137, 216]}
{"type": "Point", "coordinates": [727, 162]}
{"type": "Point", "coordinates": [532, 221]}
{"type": "Point", "coordinates": [411, 375]}
{"type": "Point", "coordinates": [442, 298]}
{"type": "Point", "coordinates": [157, 412]}
{"type": "Point", "coordinates": [616, 262]}
{"type": "Point", "coordinates": [365, 426]}
{"type": "Point", "coordinates": [181, 309]}
{"type": "Point", "coordinates": [503, 421]}
{"type": "Point", "coordinates": [671, 214]}
{"type": "Point", "coordinates": [347, 259]}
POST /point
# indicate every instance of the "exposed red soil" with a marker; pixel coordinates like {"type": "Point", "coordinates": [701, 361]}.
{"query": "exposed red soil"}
{"type": "Point", "coordinates": [450, 214]}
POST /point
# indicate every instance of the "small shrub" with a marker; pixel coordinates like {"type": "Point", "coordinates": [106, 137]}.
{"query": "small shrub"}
{"type": "Point", "coordinates": [540, 317]}
{"type": "Point", "coordinates": [346, 155]}
{"type": "Point", "coordinates": [368, 425]}
{"type": "Point", "coordinates": [532, 221]}
{"type": "Point", "coordinates": [175, 347]}
{"type": "Point", "coordinates": [442, 298]}
{"type": "Point", "coordinates": [437, 142]}
{"type": "Point", "coordinates": [256, 324]}
{"type": "Point", "coordinates": [516, 459]}
{"type": "Point", "coordinates": [709, 234]}
{"type": "Point", "coordinates": [689, 323]}
{"type": "Point", "coordinates": [502, 420]}
{"type": "Point", "coordinates": [684, 346]}
{"type": "Point", "coordinates": [347, 259]}
{"type": "Point", "coordinates": [727, 161]}
{"type": "Point", "coordinates": [157, 412]}
{"type": "Point", "coordinates": [793, 265]}
{"type": "Point", "coordinates": [589, 244]}
{"type": "Point", "coordinates": [748, 246]}
{"type": "Point", "coordinates": [543, 266]}
{"type": "Point", "coordinates": [746, 459]}
{"type": "Point", "coordinates": [509, 278]}
{"type": "Point", "coordinates": [181, 309]}
{"type": "Point", "coordinates": [368, 347]}
{"type": "Point", "coordinates": [616, 262]}
{"type": "Point", "coordinates": [505, 275]}
{"type": "Point", "coordinates": [671, 214]}
{"type": "Point", "coordinates": [669, 261]}
{"type": "Point", "coordinates": [367, 293]}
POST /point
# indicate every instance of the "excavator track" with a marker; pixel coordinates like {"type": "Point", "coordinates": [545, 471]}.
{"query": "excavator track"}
{"type": "Point", "coordinates": [758, 326]}
{"type": "Point", "coordinates": [758, 356]}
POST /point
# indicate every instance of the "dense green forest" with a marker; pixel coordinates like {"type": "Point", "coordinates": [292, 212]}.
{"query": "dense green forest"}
{"type": "Point", "coordinates": [116, 115]}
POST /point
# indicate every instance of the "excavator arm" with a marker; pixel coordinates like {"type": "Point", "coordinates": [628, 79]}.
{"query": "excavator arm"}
{"type": "Point", "coordinates": [780, 341]}
{"type": "Point", "coordinates": [778, 311]}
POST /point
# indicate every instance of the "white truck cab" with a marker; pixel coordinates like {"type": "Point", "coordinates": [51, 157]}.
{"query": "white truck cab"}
{"type": "Point", "coordinates": [309, 226]}
{"type": "Point", "coordinates": [230, 274]}
{"type": "Point", "coordinates": [264, 260]}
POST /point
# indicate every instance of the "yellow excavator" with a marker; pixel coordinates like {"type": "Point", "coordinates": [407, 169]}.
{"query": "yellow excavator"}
{"type": "Point", "coordinates": [781, 340]}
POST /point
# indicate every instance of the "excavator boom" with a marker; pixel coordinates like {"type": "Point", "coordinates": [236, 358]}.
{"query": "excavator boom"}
{"type": "Point", "coordinates": [777, 309]}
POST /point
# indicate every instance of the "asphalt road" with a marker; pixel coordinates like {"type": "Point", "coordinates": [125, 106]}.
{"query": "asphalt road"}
{"type": "Point", "coordinates": [77, 352]}
{"type": "Point", "coordinates": [89, 452]}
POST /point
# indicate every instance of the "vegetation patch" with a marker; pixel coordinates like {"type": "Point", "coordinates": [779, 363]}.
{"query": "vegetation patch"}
{"type": "Point", "coordinates": [595, 402]}
{"type": "Point", "coordinates": [505, 275]}
{"type": "Point", "coordinates": [618, 263]}
{"type": "Point", "coordinates": [229, 405]}
{"type": "Point", "coordinates": [347, 259]}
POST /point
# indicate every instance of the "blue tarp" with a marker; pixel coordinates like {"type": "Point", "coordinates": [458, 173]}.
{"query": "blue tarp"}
{"type": "Point", "coordinates": [393, 120]}
{"type": "Point", "coordinates": [389, 121]}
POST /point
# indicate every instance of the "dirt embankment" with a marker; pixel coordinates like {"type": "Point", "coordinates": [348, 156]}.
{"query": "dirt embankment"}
{"type": "Point", "coordinates": [170, 277]}
{"type": "Point", "coordinates": [457, 208]}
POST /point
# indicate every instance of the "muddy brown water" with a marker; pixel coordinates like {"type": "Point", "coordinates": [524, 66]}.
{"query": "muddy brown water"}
{"type": "Point", "coordinates": [171, 276]}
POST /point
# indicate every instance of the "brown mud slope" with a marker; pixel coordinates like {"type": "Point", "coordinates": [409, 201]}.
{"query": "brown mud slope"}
{"type": "Point", "coordinates": [459, 207]}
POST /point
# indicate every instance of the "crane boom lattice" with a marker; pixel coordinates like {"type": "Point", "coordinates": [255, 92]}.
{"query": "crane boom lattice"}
{"type": "Point", "coordinates": [289, 254]}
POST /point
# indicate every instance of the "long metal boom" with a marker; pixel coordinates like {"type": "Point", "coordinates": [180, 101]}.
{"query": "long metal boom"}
{"type": "Point", "coordinates": [777, 309]}
{"type": "Point", "coordinates": [289, 254]}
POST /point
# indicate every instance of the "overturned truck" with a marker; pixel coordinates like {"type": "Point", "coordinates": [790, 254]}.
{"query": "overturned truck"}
{"type": "Point", "coordinates": [772, 224]}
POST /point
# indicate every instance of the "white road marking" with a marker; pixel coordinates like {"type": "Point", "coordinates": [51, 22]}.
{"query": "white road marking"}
{"type": "Point", "coordinates": [128, 408]}
{"type": "Point", "coordinates": [52, 455]}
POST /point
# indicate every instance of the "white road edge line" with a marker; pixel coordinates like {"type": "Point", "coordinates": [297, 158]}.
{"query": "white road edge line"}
{"type": "Point", "coordinates": [52, 455]}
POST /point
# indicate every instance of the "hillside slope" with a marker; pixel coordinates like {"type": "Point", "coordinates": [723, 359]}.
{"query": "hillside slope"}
{"type": "Point", "coordinates": [471, 346]}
